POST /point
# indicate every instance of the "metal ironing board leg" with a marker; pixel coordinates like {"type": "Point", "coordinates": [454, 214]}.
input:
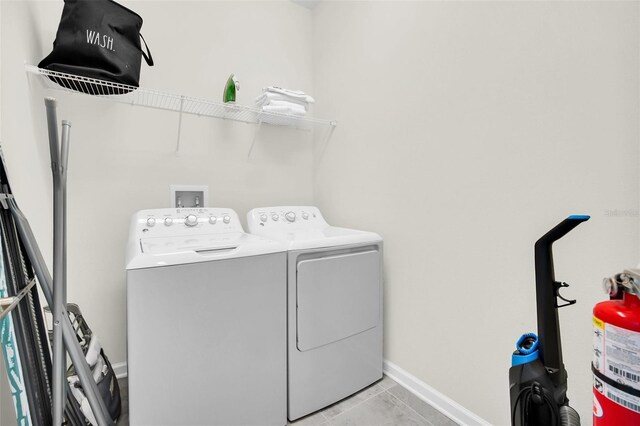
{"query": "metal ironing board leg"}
{"type": "Point", "coordinates": [59, 159]}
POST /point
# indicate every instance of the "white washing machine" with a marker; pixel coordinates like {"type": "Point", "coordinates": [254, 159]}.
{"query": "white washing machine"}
{"type": "Point", "coordinates": [334, 305]}
{"type": "Point", "coordinates": [206, 321]}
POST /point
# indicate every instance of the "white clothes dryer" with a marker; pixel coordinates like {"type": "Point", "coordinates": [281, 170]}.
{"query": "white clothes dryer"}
{"type": "Point", "coordinates": [334, 305]}
{"type": "Point", "coordinates": [206, 321]}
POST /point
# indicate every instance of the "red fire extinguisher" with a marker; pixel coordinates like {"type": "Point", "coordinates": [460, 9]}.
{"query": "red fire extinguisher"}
{"type": "Point", "coordinates": [616, 353]}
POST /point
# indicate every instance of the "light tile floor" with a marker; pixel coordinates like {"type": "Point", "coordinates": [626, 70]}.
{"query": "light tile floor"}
{"type": "Point", "coordinates": [384, 403]}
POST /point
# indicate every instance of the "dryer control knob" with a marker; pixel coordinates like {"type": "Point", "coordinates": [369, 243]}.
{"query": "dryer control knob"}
{"type": "Point", "coordinates": [290, 216]}
{"type": "Point", "coordinates": [275, 217]}
{"type": "Point", "coordinates": [213, 220]}
{"type": "Point", "coordinates": [168, 221]}
{"type": "Point", "coordinates": [226, 218]}
{"type": "Point", "coordinates": [305, 215]}
{"type": "Point", "coordinates": [191, 220]}
{"type": "Point", "coordinates": [151, 221]}
{"type": "Point", "coordinates": [263, 217]}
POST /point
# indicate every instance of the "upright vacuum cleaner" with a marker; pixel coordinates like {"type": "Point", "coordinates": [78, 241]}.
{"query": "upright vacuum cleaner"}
{"type": "Point", "coordinates": [537, 377]}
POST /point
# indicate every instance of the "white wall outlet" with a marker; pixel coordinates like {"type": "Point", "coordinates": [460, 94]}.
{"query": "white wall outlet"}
{"type": "Point", "coordinates": [187, 196]}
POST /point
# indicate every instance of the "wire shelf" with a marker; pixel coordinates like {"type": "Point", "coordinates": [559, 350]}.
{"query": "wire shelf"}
{"type": "Point", "coordinates": [167, 101]}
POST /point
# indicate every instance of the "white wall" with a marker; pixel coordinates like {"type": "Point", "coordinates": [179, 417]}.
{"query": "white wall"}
{"type": "Point", "coordinates": [466, 131]}
{"type": "Point", "coordinates": [123, 158]}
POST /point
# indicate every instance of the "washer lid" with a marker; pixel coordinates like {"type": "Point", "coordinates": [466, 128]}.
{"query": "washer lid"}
{"type": "Point", "coordinates": [187, 243]}
{"type": "Point", "coordinates": [164, 251]}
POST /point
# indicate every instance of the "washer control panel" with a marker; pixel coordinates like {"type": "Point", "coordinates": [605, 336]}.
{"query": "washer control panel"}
{"type": "Point", "coordinates": [285, 217]}
{"type": "Point", "coordinates": [186, 221]}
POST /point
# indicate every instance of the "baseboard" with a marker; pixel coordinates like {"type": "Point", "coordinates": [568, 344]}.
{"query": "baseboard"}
{"type": "Point", "coordinates": [437, 400]}
{"type": "Point", "coordinates": [120, 369]}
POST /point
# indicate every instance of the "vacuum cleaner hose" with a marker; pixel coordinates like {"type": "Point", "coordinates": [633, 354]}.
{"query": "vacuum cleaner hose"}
{"type": "Point", "coordinates": [568, 416]}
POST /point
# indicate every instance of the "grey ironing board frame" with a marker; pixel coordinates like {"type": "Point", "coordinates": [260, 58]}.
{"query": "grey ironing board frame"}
{"type": "Point", "coordinates": [55, 290]}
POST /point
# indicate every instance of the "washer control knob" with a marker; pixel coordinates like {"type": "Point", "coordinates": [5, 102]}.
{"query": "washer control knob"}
{"type": "Point", "coordinates": [226, 218]}
{"type": "Point", "coordinates": [263, 217]}
{"type": "Point", "coordinates": [275, 217]}
{"type": "Point", "coordinates": [305, 215]}
{"type": "Point", "coordinates": [213, 220]}
{"type": "Point", "coordinates": [290, 216]}
{"type": "Point", "coordinates": [191, 220]}
{"type": "Point", "coordinates": [168, 221]}
{"type": "Point", "coordinates": [151, 222]}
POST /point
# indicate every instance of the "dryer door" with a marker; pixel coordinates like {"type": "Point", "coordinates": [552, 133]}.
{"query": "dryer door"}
{"type": "Point", "coordinates": [337, 296]}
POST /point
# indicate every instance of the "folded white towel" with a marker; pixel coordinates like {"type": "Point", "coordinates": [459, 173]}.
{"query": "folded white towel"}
{"type": "Point", "coordinates": [295, 105]}
{"type": "Point", "coordinates": [293, 94]}
{"type": "Point", "coordinates": [275, 98]}
{"type": "Point", "coordinates": [282, 90]}
{"type": "Point", "coordinates": [291, 110]}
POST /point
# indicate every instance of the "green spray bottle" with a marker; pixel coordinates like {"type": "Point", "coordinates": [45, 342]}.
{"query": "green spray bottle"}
{"type": "Point", "coordinates": [230, 89]}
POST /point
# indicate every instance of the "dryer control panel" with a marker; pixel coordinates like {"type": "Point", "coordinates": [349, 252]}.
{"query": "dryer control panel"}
{"type": "Point", "coordinates": [285, 218]}
{"type": "Point", "coordinates": [185, 221]}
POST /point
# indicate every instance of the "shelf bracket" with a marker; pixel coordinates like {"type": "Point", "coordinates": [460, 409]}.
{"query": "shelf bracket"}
{"type": "Point", "coordinates": [180, 123]}
{"type": "Point", "coordinates": [332, 127]}
{"type": "Point", "coordinates": [325, 142]}
{"type": "Point", "coordinates": [255, 136]}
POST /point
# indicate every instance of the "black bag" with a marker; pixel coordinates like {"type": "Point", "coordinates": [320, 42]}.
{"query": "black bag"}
{"type": "Point", "coordinates": [98, 39]}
